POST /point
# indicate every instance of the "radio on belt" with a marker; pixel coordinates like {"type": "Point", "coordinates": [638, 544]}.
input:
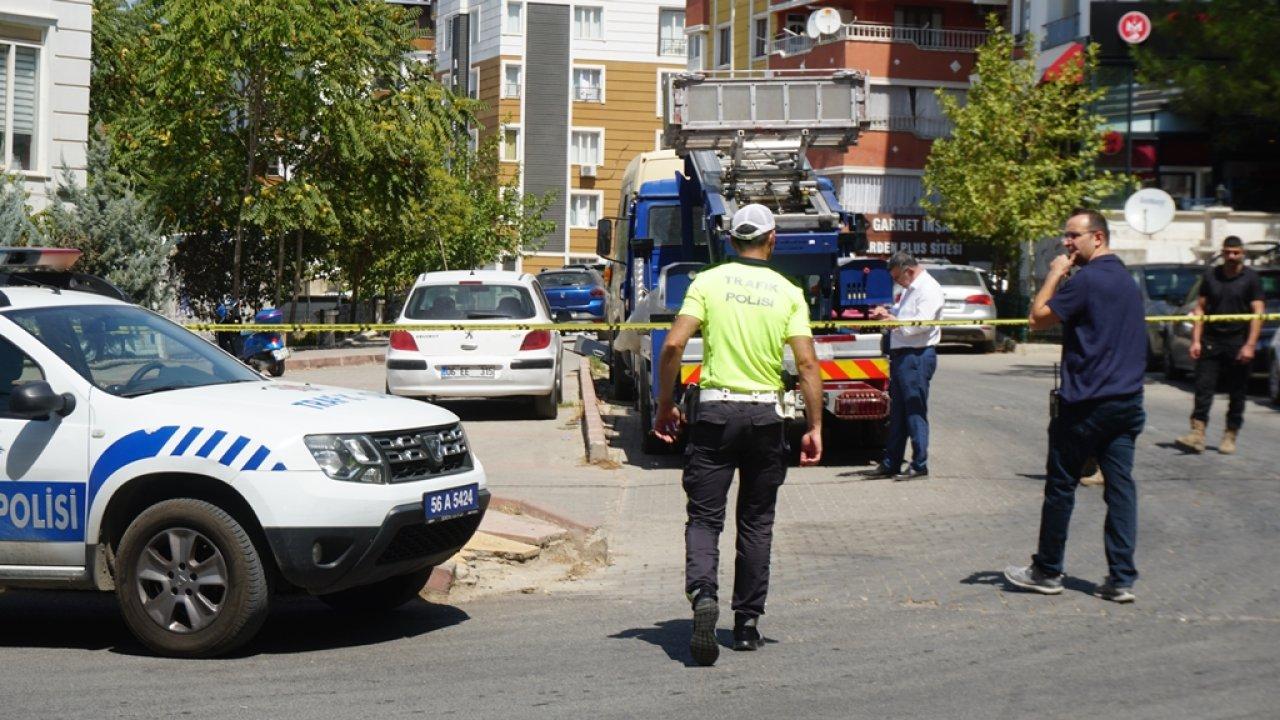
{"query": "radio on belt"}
{"type": "Point", "coordinates": [142, 459]}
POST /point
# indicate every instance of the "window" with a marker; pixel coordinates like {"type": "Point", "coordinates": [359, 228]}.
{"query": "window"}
{"type": "Point", "coordinates": [474, 25]}
{"type": "Point", "coordinates": [658, 143]}
{"type": "Point", "coordinates": [444, 36]}
{"type": "Point", "coordinates": [665, 226]}
{"type": "Point", "coordinates": [586, 147]}
{"type": "Point", "coordinates": [473, 83]}
{"type": "Point", "coordinates": [664, 89]}
{"type": "Point", "coordinates": [513, 24]}
{"type": "Point", "coordinates": [760, 43]}
{"type": "Point", "coordinates": [584, 210]}
{"type": "Point", "coordinates": [881, 193]}
{"type": "Point", "coordinates": [671, 39]}
{"type": "Point", "coordinates": [128, 351]}
{"type": "Point", "coordinates": [588, 23]}
{"type": "Point", "coordinates": [695, 52]}
{"type": "Point", "coordinates": [918, 17]}
{"type": "Point", "coordinates": [470, 302]}
{"type": "Point", "coordinates": [16, 370]}
{"type": "Point", "coordinates": [512, 80]}
{"type": "Point", "coordinates": [510, 150]}
{"type": "Point", "coordinates": [724, 46]}
{"type": "Point", "coordinates": [19, 65]}
{"type": "Point", "coordinates": [797, 23]}
{"type": "Point", "coordinates": [588, 84]}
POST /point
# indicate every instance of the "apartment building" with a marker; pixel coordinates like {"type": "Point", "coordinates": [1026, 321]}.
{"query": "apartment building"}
{"type": "Point", "coordinates": [44, 90]}
{"type": "Point", "coordinates": [572, 92]}
{"type": "Point", "coordinates": [910, 48]}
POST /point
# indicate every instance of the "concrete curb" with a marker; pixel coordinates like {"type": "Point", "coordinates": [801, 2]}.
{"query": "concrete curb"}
{"type": "Point", "coordinates": [592, 423]}
{"type": "Point", "coordinates": [302, 362]}
{"type": "Point", "coordinates": [444, 575]}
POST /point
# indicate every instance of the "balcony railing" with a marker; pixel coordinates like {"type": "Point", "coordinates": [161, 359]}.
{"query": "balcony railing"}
{"type": "Point", "coordinates": [584, 93]}
{"type": "Point", "coordinates": [511, 90]}
{"type": "Point", "coordinates": [923, 127]}
{"type": "Point", "coordinates": [943, 39]}
{"type": "Point", "coordinates": [673, 46]}
{"type": "Point", "coordinates": [1062, 30]}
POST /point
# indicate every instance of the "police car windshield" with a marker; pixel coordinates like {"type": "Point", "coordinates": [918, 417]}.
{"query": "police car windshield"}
{"type": "Point", "coordinates": [128, 351]}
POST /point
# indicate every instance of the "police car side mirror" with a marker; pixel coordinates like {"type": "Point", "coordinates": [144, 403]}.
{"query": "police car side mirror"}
{"type": "Point", "coordinates": [37, 401]}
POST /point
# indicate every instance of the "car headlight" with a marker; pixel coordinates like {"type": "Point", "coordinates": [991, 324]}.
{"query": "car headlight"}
{"type": "Point", "coordinates": [353, 458]}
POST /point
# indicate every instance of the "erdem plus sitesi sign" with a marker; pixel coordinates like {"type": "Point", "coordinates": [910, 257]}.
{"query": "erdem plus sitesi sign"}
{"type": "Point", "coordinates": [1134, 27]}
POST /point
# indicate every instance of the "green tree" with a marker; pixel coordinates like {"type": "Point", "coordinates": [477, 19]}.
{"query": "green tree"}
{"type": "Point", "coordinates": [115, 229]}
{"type": "Point", "coordinates": [1022, 152]}
{"type": "Point", "coordinates": [1223, 62]}
{"type": "Point", "coordinates": [16, 228]}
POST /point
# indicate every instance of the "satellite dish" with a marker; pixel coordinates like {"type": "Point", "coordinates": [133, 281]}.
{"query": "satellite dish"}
{"type": "Point", "coordinates": [824, 21]}
{"type": "Point", "coordinates": [1149, 210]}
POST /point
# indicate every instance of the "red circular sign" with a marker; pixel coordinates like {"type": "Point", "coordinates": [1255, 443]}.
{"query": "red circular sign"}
{"type": "Point", "coordinates": [1112, 142]}
{"type": "Point", "coordinates": [1134, 27]}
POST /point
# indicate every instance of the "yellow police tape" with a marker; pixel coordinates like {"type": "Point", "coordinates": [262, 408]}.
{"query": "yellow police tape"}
{"type": "Point", "coordinates": [614, 327]}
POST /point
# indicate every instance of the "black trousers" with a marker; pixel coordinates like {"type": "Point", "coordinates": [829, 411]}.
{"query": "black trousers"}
{"type": "Point", "coordinates": [1218, 359]}
{"type": "Point", "coordinates": [748, 438]}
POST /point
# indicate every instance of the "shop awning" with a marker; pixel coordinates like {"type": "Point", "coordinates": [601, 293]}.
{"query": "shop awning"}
{"type": "Point", "coordinates": [1070, 61]}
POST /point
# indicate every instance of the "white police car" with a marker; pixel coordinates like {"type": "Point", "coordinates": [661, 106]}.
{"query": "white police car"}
{"type": "Point", "coordinates": [137, 457]}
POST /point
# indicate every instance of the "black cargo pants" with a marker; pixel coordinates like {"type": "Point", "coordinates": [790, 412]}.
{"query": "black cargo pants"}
{"type": "Point", "coordinates": [729, 436]}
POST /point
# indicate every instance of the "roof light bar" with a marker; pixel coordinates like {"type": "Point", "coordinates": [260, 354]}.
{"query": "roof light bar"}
{"type": "Point", "coordinates": [44, 258]}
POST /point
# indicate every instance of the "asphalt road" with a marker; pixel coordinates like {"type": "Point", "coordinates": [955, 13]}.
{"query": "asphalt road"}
{"type": "Point", "coordinates": [886, 600]}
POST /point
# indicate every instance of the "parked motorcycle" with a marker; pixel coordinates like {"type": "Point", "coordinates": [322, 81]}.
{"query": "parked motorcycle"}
{"type": "Point", "coordinates": [264, 351]}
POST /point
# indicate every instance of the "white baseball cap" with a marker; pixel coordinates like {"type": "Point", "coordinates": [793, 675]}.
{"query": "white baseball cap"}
{"type": "Point", "coordinates": [751, 222]}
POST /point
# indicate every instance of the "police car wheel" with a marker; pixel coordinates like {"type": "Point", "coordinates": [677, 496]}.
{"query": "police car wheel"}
{"type": "Point", "coordinates": [189, 580]}
{"type": "Point", "coordinates": [381, 596]}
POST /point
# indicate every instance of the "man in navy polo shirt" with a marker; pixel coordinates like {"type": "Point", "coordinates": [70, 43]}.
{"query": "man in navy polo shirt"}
{"type": "Point", "coordinates": [1104, 356]}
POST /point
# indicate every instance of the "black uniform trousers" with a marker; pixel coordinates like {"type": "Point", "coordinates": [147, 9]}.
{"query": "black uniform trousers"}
{"type": "Point", "coordinates": [1218, 359]}
{"type": "Point", "coordinates": [724, 437]}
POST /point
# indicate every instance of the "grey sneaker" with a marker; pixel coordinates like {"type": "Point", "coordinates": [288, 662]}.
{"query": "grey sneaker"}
{"type": "Point", "coordinates": [702, 644]}
{"type": "Point", "coordinates": [1034, 579]}
{"type": "Point", "coordinates": [1114, 593]}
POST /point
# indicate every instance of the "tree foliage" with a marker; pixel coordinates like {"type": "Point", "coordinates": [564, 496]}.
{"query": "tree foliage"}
{"type": "Point", "coordinates": [16, 228]}
{"type": "Point", "coordinates": [1022, 152]}
{"type": "Point", "coordinates": [115, 229]}
{"type": "Point", "coordinates": [250, 122]}
{"type": "Point", "coordinates": [1223, 64]}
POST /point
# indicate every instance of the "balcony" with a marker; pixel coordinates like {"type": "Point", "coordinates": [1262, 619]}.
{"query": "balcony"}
{"type": "Point", "coordinates": [673, 46]}
{"type": "Point", "coordinates": [936, 39]}
{"type": "Point", "coordinates": [511, 90]}
{"type": "Point", "coordinates": [1061, 31]}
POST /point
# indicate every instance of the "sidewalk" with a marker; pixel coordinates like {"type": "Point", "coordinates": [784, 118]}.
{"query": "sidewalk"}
{"type": "Point", "coordinates": [369, 353]}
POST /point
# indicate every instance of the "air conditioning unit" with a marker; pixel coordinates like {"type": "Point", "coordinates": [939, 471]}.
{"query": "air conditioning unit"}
{"type": "Point", "coordinates": [587, 171]}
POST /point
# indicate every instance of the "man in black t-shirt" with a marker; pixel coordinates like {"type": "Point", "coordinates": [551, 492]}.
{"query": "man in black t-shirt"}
{"type": "Point", "coordinates": [1224, 350]}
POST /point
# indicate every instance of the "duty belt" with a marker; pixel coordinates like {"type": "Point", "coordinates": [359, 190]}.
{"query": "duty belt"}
{"type": "Point", "coordinates": [720, 395]}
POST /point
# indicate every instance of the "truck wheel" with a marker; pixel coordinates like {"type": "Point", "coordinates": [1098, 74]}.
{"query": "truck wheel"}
{"type": "Point", "coordinates": [623, 388]}
{"type": "Point", "coordinates": [381, 596]}
{"type": "Point", "coordinates": [189, 580]}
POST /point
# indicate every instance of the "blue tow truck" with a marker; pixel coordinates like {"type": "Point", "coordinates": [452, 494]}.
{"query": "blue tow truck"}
{"type": "Point", "coordinates": [742, 139]}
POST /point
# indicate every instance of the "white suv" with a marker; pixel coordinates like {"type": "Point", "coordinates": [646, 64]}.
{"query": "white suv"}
{"type": "Point", "coordinates": [476, 363]}
{"type": "Point", "coordinates": [139, 458]}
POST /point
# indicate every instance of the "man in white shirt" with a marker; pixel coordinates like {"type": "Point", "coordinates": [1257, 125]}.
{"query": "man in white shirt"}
{"type": "Point", "coordinates": [912, 360]}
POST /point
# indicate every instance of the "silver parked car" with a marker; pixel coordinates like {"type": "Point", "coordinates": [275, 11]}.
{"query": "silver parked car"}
{"type": "Point", "coordinates": [1164, 287]}
{"type": "Point", "coordinates": [968, 297]}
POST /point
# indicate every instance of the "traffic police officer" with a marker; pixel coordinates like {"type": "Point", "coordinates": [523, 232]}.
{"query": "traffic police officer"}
{"type": "Point", "coordinates": [746, 311]}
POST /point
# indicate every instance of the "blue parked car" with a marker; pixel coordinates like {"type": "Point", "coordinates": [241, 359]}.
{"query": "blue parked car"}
{"type": "Point", "coordinates": [574, 294]}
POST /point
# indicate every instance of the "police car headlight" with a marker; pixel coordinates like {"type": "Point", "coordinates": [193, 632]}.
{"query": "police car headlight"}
{"type": "Point", "coordinates": [353, 458]}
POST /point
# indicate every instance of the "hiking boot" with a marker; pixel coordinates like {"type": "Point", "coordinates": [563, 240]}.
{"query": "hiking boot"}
{"type": "Point", "coordinates": [1228, 444]}
{"type": "Point", "coordinates": [1194, 440]}
{"type": "Point", "coordinates": [1114, 593]}
{"type": "Point", "coordinates": [1034, 579]}
{"type": "Point", "coordinates": [746, 634]}
{"type": "Point", "coordinates": [702, 644]}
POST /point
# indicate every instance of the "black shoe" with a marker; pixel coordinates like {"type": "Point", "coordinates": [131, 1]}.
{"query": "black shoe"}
{"type": "Point", "coordinates": [703, 645]}
{"type": "Point", "coordinates": [880, 473]}
{"type": "Point", "coordinates": [911, 474]}
{"type": "Point", "coordinates": [746, 634]}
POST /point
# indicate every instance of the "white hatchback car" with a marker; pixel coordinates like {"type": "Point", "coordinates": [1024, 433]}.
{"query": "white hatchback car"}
{"type": "Point", "coordinates": [476, 363]}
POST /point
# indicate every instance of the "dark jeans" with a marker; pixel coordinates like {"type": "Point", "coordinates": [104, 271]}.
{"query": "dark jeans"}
{"type": "Point", "coordinates": [747, 437]}
{"type": "Point", "coordinates": [1218, 359]}
{"type": "Point", "coordinates": [1104, 429]}
{"type": "Point", "coordinates": [910, 370]}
